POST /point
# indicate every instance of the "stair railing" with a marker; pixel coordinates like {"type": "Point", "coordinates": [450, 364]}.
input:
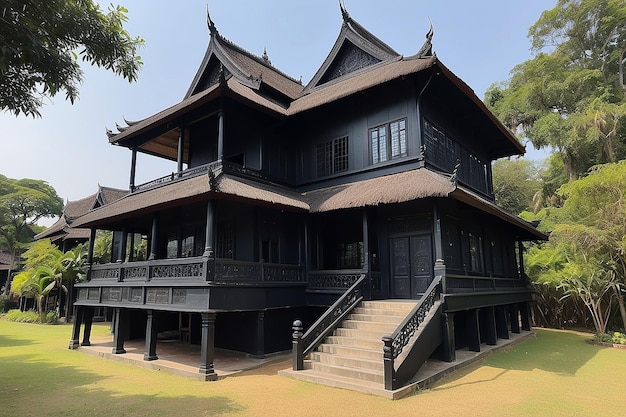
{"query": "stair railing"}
{"type": "Point", "coordinates": [400, 338]}
{"type": "Point", "coordinates": [302, 345]}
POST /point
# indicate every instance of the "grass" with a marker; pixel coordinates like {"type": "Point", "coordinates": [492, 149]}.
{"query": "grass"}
{"type": "Point", "coordinates": [553, 374]}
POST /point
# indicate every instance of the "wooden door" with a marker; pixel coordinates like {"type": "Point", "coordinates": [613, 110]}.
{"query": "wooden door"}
{"type": "Point", "coordinates": [411, 265]}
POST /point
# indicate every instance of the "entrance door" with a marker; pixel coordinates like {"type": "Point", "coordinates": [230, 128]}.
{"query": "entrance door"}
{"type": "Point", "coordinates": [411, 265]}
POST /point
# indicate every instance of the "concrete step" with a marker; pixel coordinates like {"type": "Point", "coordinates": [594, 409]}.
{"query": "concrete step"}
{"type": "Point", "coordinates": [369, 325]}
{"type": "Point", "coordinates": [371, 344]}
{"type": "Point", "coordinates": [348, 361]}
{"type": "Point", "coordinates": [380, 318]}
{"type": "Point", "coordinates": [351, 351]}
{"type": "Point", "coordinates": [368, 387]}
{"type": "Point", "coordinates": [358, 374]}
{"type": "Point", "coordinates": [360, 333]}
{"type": "Point", "coordinates": [380, 312]}
{"type": "Point", "coordinates": [404, 305]}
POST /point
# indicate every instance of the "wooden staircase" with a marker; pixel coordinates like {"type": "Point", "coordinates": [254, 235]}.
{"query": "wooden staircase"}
{"type": "Point", "coordinates": [352, 357]}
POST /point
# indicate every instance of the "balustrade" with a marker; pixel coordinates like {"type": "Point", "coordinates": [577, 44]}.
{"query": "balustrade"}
{"type": "Point", "coordinates": [195, 269]}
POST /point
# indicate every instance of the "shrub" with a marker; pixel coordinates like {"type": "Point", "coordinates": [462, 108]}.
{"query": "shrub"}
{"type": "Point", "coordinates": [619, 338]}
{"type": "Point", "coordinates": [603, 337]}
{"type": "Point", "coordinates": [30, 316]}
{"type": "Point", "coordinates": [4, 303]}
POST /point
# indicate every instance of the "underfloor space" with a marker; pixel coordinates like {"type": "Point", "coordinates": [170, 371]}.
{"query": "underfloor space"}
{"type": "Point", "coordinates": [178, 357]}
{"type": "Point", "coordinates": [183, 359]}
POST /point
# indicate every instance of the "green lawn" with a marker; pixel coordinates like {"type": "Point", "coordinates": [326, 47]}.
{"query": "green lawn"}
{"type": "Point", "coordinates": [553, 374]}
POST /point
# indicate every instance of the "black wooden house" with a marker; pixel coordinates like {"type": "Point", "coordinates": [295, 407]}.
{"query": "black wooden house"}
{"type": "Point", "coordinates": [372, 182]}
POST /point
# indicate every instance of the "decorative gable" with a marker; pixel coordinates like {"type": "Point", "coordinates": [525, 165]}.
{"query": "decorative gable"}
{"type": "Point", "coordinates": [355, 49]}
{"type": "Point", "coordinates": [349, 59]}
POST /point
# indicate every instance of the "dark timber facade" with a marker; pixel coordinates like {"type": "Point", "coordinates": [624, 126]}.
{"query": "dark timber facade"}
{"type": "Point", "coordinates": [371, 182]}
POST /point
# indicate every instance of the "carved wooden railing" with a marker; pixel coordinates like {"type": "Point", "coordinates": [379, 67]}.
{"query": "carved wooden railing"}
{"type": "Point", "coordinates": [255, 272]}
{"type": "Point", "coordinates": [395, 343]}
{"type": "Point", "coordinates": [332, 317]}
{"type": "Point", "coordinates": [177, 176]}
{"type": "Point", "coordinates": [162, 269]}
{"type": "Point", "coordinates": [456, 283]}
{"type": "Point", "coordinates": [195, 269]}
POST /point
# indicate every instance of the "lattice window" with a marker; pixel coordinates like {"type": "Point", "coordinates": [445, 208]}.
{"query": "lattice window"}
{"type": "Point", "coordinates": [225, 240]}
{"type": "Point", "coordinates": [388, 141]}
{"type": "Point", "coordinates": [444, 153]}
{"type": "Point", "coordinates": [332, 157]}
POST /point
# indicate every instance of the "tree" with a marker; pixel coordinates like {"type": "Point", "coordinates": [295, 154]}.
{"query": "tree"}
{"type": "Point", "coordinates": [41, 42]}
{"type": "Point", "coordinates": [515, 183]}
{"type": "Point", "coordinates": [570, 96]}
{"type": "Point", "coordinates": [22, 203]}
{"type": "Point", "coordinates": [586, 253]}
{"type": "Point", "coordinates": [47, 268]}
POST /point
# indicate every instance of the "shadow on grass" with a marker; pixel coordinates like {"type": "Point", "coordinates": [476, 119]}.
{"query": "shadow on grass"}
{"type": "Point", "coordinates": [548, 350]}
{"type": "Point", "coordinates": [8, 341]}
{"type": "Point", "coordinates": [29, 386]}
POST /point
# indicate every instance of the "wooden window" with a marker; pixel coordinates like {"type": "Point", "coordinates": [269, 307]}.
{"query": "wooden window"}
{"type": "Point", "coordinates": [332, 157]}
{"type": "Point", "coordinates": [388, 141]}
{"type": "Point", "coordinates": [475, 252]}
{"type": "Point", "coordinates": [351, 255]}
{"type": "Point", "coordinates": [225, 240]}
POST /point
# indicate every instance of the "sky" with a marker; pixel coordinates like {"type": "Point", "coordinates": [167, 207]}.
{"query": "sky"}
{"type": "Point", "coordinates": [480, 41]}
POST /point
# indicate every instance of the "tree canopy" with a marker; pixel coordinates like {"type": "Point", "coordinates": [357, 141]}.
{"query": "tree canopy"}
{"type": "Point", "coordinates": [515, 183]}
{"type": "Point", "coordinates": [23, 202]}
{"type": "Point", "coordinates": [42, 41]}
{"type": "Point", "coordinates": [570, 96]}
{"type": "Point", "coordinates": [586, 253]}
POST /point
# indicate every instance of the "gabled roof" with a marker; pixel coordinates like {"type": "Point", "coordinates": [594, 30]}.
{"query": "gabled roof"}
{"type": "Point", "coordinates": [223, 58]}
{"type": "Point", "coordinates": [230, 71]}
{"type": "Point", "coordinates": [62, 229]}
{"type": "Point", "coordinates": [6, 261]}
{"type": "Point", "coordinates": [355, 48]}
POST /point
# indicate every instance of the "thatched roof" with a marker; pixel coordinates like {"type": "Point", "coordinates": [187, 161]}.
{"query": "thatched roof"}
{"type": "Point", "coordinates": [394, 188]}
{"type": "Point", "coordinates": [63, 228]}
{"type": "Point", "coordinates": [389, 189]}
{"type": "Point", "coordinates": [179, 192]}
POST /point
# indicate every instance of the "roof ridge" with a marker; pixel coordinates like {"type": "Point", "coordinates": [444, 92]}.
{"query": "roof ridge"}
{"type": "Point", "coordinates": [265, 62]}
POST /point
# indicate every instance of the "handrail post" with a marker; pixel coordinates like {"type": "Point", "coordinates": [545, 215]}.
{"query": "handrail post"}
{"type": "Point", "coordinates": [297, 347]}
{"type": "Point", "coordinates": [388, 361]}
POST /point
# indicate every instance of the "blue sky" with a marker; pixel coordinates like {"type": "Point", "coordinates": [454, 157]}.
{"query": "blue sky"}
{"type": "Point", "coordinates": [480, 41]}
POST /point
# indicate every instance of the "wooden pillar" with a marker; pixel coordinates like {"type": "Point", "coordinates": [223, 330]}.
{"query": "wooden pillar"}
{"type": "Point", "coordinates": [209, 249]}
{"type": "Point", "coordinates": [154, 237]}
{"type": "Point", "coordinates": [207, 346]}
{"type": "Point", "coordinates": [131, 255]}
{"type": "Point", "coordinates": [367, 291]}
{"type": "Point", "coordinates": [119, 331]}
{"type": "Point", "coordinates": [525, 313]}
{"type": "Point", "coordinates": [514, 317]}
{"type": "Point", "coordinates": [133, 166]}
{"type": "Point", "coordinates": [260, 335]}
{"type": "Point", "coordinates": [501, 327]}
{"type": "Point", "coordinates": [220, 135]}
{"type": "Point", "coordinates": [122, 250]}
{"type": "Point", "coordinates": [449, 343]}
{"type": "Point", "coordinates": [179, 156]}
{"type": "Point", "coordinates": [88, 319]}
{"type": "Point", "coordinates": [78, 320]}
{"type": "Point", "coordinates": [92, 241]}
{"type": "Point", "coordinates": [520, 248]}
{"type": "Point", "coordinates": [488, 325]}
{"type": "Point", "coordinates": [473, 331]}
{"type": "Point", "coordinates": [151, 338]}
{"type": "Point", "coordinates": [307, 249]}
{"type": "Point", "coordinates": [437, 229]}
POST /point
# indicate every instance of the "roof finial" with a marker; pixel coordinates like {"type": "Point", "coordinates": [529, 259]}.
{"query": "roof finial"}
{"type": "Point", "coordinates": [427, 48]}
{"type": "Point", "coordinates": [209, 22]}
{"type": "Point", "coordinates": [344, 11]}
{"type": "Point", "coordinates": [265, 57]}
